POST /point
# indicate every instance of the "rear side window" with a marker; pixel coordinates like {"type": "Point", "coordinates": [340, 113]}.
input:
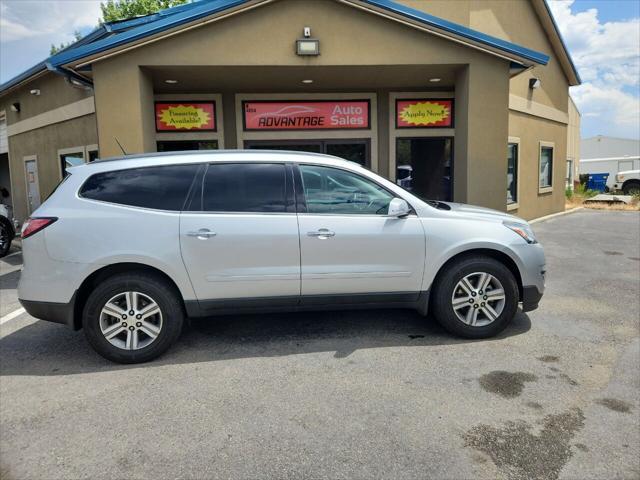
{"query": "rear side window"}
{"type": "Point", "coordinates": [161, 188]}
{"type": "Point", "coordinates": [244, 187]}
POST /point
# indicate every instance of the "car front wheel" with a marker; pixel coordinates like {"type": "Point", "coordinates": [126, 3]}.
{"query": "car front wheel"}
{"type": "Point", "coordinates": [476, 297]}
{"type": "Point", "coordinates": [133, 318]}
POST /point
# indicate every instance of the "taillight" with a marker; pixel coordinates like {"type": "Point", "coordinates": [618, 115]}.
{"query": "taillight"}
{"type": "Point", "coordinates": [35, 224]}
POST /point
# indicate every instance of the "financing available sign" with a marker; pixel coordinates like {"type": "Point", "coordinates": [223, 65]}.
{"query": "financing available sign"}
{"type": "Point", "coordinates": [314, 115]}
{"type": "Point", "coordinates": [185, 116]}
{"type": "Point", "coordinates": [424, 113]}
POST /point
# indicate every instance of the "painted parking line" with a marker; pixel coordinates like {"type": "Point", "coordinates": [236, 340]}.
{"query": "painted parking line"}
{"type": "Point", "coordinates": [12, 315]}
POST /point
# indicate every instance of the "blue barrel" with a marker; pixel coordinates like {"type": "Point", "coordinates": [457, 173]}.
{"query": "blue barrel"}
{"type": "Point", "coordinates": [597, 181]}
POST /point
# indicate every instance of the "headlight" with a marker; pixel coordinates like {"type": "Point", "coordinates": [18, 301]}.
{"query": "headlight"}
{"type": "Point", "coordinates": [619, 178]}
{"type": "Point", "coordinates": [523, 230]}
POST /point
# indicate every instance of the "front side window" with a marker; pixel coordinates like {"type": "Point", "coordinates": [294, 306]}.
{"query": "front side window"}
{"type": "Point", "coordinates": [244, 187]}
{"type": "Point", "coordinates": [333, 191]}
{"type": "Point", "coordinates": [512, 173]}
{"type": "Point", "coordinates": [546, 167]}
{"type": "Point", "coordinates": [161, 188]}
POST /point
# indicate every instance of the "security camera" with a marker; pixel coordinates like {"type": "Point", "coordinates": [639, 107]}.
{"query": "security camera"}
{"type": "Point", "coordinates": [35, 91]}
{"type": "Point", "coordinates": [307, 32]}
{"type": "Point", "coordinates": [15, 107]}
{"type": "Point", "coordinates": [534, 83]}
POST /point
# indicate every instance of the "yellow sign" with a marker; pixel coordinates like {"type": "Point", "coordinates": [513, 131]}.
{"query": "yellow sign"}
{"type": "Point", "coordinates": [424, 113]}
{"type": "Point", "coordinates": [185, 116]}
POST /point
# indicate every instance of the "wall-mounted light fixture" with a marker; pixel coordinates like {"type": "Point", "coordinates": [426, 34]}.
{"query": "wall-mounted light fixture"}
{"type": "Point", "coordinates": [307, 45]}
{"type": "Point", "coordinates": [15, 107]}
{"type": "Point", "coordinates": [534, 83]}
{"type": "Point", "coordinates": [35, 91]}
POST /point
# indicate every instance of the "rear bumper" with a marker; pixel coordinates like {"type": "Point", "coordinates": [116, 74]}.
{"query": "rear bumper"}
{"type": "Point", "coordinates": [530, 298]}
{"type": "Point", "coordinates": [52, 312]}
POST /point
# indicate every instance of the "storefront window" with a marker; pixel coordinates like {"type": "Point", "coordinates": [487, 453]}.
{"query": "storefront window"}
{"type": "Point", "coordinates": [184, 145]}
{"type": "Point", "coordinates": [512, 173]}
{"type": "Point", "coordinates": [546, 167]}
{"type": "Point", "coordinates": [353, 150]}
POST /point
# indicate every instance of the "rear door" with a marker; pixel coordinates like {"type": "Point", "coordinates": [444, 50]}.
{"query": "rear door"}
{"type": "Point", "coordinates": [239, 239]}
{"type": "Point", "coordinates": [350, 246]}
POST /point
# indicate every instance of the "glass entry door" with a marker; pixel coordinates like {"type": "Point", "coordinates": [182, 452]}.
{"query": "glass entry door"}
{"type": "Point", "coordinates": [354, 150]}
{"type": "Point", "coordinates": [424, 166]}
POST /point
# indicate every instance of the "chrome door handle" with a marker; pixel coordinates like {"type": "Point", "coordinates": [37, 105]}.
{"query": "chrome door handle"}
{"type": "Point", "coordinates": [322, 233]}
{"type": "Point", "coordinates": [202, 234]}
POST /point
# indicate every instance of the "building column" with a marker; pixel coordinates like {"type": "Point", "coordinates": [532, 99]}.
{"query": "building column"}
{"type": "Point", "coordinates": [124, 109]}
{"type": "Point", "coordinates": [482, 130]}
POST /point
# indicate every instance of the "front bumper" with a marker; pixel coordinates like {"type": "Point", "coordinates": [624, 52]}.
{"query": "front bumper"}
{"type": "Point", "coordinates": [63, 313]}
{"type": "Point", "coordinates": [530, 298]}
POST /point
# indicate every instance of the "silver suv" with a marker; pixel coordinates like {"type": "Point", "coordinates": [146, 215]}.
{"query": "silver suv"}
{"type": "Point", "coordinates": [127, 248]}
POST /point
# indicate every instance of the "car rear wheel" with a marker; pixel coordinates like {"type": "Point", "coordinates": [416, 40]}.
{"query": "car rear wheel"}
{"type": "Point", "coordinates": [133, 318]}
{"type": "Point", "coordinates": [476, 297]}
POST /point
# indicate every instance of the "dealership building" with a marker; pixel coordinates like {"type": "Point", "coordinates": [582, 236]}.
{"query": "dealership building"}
{"type": "Point", "coordinates": [465, 101]}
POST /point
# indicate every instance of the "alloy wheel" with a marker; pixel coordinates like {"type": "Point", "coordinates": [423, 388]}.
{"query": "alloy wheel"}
{"type": "Point", "coordinates": [478, 299]}
{"type": "Point", "coordinates": [131, 320]}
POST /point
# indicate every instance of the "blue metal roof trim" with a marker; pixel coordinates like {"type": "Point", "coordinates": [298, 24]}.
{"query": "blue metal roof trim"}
{"type": "Point", "coordinates": [24, 76]}
{"type": "Point", "coordinates": [460, 30]}
{"type": "Point", "coordinates": [197, 11]}
{"type": "Point", "coordinates": [564, 45]}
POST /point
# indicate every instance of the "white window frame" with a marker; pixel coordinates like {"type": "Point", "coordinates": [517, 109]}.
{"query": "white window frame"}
{"type": "Point", "coordinates": [552, 145]}
{"type": "Point", "coordinates": [516, 141]}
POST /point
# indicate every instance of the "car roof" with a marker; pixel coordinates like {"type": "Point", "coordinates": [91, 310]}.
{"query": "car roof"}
{"type": "Point", "coordinates": [208, 156]}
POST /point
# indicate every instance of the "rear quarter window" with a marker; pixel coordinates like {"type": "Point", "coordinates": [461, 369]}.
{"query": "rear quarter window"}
{"type": "Point", "coordinates": [161, 188]}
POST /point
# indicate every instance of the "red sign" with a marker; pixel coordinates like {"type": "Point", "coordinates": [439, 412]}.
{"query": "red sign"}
{"type": "Point", "coordinates": [318, 115]}
{"type": "Point", "coordinates": [185, 116]}
{"type": "Point", "coordinates": [424, 113]}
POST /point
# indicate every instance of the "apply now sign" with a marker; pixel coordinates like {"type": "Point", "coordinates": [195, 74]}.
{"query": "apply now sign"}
{"type": "Point", "coordinates": [424, 113]}
{"type": "Point", "coordinates": [185, 116]}
{"type": "Point", "coordinates": [317, 115]}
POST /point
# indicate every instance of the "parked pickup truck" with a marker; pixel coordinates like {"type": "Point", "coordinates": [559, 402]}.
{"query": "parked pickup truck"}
{"type": "Point", "coordinates": [628, 181]}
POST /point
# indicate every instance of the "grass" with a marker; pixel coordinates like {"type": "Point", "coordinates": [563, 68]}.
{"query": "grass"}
{"type": "Point", "coordinates": [577, 196]}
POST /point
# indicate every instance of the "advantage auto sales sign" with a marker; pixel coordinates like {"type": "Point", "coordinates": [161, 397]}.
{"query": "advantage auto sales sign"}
{"type": "Point", "coordinates": [315, 115]}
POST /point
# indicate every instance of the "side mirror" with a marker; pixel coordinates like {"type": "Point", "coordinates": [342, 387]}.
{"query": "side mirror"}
{"type": "Point", "coordinates": [398, 208]}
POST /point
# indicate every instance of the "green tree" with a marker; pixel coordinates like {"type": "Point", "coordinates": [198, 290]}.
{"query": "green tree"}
{"type": "Point", "coordinates": [113, 10]}
{"type": "Point", "coordinates": [77, 36]}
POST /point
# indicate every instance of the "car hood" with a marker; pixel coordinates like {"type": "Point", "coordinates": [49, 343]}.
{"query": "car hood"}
{"type": "Point", "coordinates": [479, 213]}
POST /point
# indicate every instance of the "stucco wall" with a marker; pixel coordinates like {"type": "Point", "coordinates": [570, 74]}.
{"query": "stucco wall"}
{"type": "Point", "coordinates": [45, 143]}
{"type": "Point", "coordinates": [531, 131]}
{"type": "Point", "coordinates": [55, 91]}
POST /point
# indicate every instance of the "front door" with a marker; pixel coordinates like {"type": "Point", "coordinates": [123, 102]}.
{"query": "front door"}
{"type": "Point", "coordinates": [425, 167]}
{"type": "Point", "coordinates": [348, 243]}
{"type": "Point", "coordinates": [354, 150]}
{"type": "Point", "coordinates": [33, 185]}
{"type": "Point", "coordinates": [239, 237]}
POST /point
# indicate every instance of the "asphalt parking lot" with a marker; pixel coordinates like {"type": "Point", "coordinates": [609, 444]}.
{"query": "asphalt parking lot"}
{"type": "Point", "coordinates": [383, 394]}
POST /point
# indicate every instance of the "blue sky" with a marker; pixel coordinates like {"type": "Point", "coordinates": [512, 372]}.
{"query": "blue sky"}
{"type": "Point", "coordinates": [603, 37]}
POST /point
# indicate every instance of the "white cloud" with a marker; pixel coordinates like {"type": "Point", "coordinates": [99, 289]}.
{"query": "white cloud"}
{"type": "Point", "coordinates": [607, 56]}
{"type": "Point", "coordinates": [53, 20]}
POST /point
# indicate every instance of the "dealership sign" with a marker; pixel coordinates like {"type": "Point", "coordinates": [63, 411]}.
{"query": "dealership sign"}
{"type": "Point", "coordinates": [185, 116]}
{"type": "Point", "coordinates": [424, 113]}
{"type": "Point", "coordinates": [318, 115]}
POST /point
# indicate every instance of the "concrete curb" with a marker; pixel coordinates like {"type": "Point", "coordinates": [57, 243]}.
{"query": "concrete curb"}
{"type": "Point", "coordinates": [554, 215]}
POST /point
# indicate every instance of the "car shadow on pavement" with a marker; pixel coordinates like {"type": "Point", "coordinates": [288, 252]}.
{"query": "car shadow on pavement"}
{"type": "Point", "coordinates": [47, 349]}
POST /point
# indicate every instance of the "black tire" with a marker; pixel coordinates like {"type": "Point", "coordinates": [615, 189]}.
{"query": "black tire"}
{"type": "Point", "coordinates": [155, 287]}
{"type": "Point", "coordinates": [631, 188]}
{"type": "Point", "coordinates": [454, 273]}
{"type": "Point", "coordinates": [6, 236]}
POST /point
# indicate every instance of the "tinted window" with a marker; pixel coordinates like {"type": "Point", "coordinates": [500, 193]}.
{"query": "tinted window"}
{"type": "Point", "coordinates": [248, 187]}
{"type": "Point", "coordinates": [546, 166]}
{"type": "Point", "coordinates": [330, 190]}
{"type": "Point", "coordinates": [162, 188]}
